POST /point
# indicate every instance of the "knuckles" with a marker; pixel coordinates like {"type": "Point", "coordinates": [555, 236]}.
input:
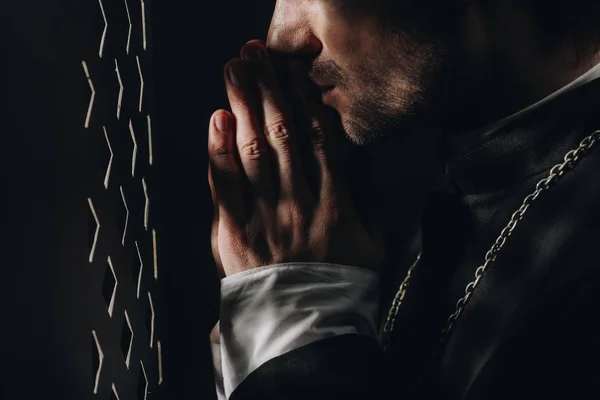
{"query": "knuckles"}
{"type": "Point", "coordinates": [220, 148]}
{"type": "Point", "coordinates": [278, 132]}
{"type": "Point", "coordinates": [253, 149]}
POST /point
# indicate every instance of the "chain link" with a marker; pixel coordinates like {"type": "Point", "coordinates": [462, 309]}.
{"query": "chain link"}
{"type": "Point", "coordinates": [558, 171]}
{"type": "Point", "coordinates": [391, 319]}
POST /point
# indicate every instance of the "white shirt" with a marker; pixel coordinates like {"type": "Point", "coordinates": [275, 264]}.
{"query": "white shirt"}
{"type": "Point", "coordinates": [269, 311]}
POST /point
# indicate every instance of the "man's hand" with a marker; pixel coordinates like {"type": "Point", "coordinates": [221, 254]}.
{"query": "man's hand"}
{"type": "Point", "coordinates": [267, 209]}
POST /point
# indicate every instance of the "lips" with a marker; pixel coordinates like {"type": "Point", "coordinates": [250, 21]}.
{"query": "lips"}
{"type": "Point", "coordinates": [321, 83]}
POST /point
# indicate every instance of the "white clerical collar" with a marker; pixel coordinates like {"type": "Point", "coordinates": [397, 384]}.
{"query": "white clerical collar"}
{"type": "Point", "coordinates": [589, 76]}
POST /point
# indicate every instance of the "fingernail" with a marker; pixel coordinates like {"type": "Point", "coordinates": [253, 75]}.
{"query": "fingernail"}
{"type": "Point", "coordinates": [222, 123]}
{"type": "Point", "coordinates": [236, 73]}
{"type": "Point", "coordinates": [253, 54]}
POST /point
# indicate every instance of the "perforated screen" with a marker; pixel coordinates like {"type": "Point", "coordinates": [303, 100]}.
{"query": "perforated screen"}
{"type": "Point", "coordinates": [82, 299]}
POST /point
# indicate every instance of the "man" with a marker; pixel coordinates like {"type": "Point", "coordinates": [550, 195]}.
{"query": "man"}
{"type": "Point", "coordinates": [510, 233]}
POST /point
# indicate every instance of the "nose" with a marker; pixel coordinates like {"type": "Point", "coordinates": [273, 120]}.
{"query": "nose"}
{"type": "Point", "coordinates": [290, 32]}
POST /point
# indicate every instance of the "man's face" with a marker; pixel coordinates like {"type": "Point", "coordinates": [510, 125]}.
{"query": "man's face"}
{"type": "Point", "coordinates": [382, 81]}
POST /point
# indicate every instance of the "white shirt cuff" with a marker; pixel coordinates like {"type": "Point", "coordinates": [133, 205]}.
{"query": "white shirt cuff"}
{"type": "Point", "coordinates": [269, 311]}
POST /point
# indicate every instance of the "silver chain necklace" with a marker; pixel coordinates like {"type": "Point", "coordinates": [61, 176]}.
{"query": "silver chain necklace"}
{"type": "Point", "coordinates": [571, 159]}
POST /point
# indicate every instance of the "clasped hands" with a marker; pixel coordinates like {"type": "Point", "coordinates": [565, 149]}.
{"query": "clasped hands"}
{"type": "Point", "coordinates": [268, 210]}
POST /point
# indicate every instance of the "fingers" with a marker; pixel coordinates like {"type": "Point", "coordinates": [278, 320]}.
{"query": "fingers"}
{"type": "Point", "coordinates": [321, 132]}
{"type": "Point", "coordinates": [226, 179]}
{"type": "Point", "coordinates": [277, 121]}
{"type": "Point", "coordinates": [251, 144]}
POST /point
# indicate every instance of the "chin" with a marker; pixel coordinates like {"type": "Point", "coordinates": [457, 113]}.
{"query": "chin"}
{"type": "Point", "coordinates": [356, 133]}
{"type": "Point", "coordinates": [367, 131]}
{"type": "Point", "coordinates": [364, 123]}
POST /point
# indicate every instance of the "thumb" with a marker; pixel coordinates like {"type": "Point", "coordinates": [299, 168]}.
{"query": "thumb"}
{"type": "Point", "coordinates": [214, 232]}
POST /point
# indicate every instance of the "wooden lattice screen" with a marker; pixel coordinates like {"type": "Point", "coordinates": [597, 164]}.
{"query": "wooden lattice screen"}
{"type": "Point", "coordinates": [82, 299]}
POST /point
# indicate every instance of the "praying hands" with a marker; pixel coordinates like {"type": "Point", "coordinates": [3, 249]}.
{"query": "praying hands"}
{"type": "Point", "coordinates": [266, 209]}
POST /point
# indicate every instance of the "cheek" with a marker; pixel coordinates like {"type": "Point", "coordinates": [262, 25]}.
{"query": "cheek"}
{"type": "Point", "coordinates": [369, 59]}
{"type": "Point", "coordinates": [347, 43]}
{"type": "Point", "coordinates": [360, 66]}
